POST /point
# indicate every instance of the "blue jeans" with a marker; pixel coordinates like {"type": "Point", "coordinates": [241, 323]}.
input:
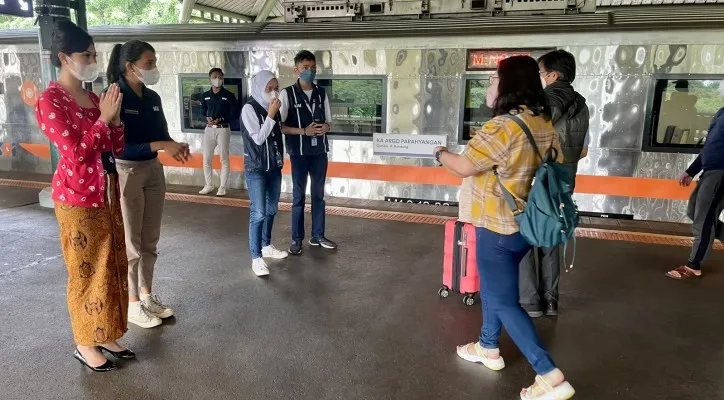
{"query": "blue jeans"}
{"type": "Point", "coordinates": [498, 259]}
{"type": "Point", "coordinates": [316, 168]}
{"type": "Point", "coordinates": [264, 189]}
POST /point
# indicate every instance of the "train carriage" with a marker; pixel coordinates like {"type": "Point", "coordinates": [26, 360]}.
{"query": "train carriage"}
{"type": "Point", "coordinates": [651, 80]}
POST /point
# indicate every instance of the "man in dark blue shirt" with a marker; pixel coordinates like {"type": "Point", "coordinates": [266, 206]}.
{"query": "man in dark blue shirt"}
{"type": "Point", "coordinates": [707, 200]}
{"type": "Point", "coordinates": [220, 107]}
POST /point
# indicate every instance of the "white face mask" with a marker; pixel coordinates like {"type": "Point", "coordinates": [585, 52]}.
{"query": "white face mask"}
{"type": "Point", "coordinates": [149, 77]}
{"type": "Point", "coordinates": [84, 72]}
{"type": "Point", "coordinates": [543, 82]}
{"type": "Point", "coordinates": [270, 96]}
{"type": "Point", "coordinates": [216, 82]}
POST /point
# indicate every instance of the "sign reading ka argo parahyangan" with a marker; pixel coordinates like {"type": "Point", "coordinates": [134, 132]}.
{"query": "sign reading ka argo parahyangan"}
{"type": "Point", "coordinates": [413, 146]}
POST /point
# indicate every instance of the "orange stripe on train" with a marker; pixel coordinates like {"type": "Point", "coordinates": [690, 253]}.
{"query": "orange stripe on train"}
{"type": "Point", "coordinates": [588, 184]}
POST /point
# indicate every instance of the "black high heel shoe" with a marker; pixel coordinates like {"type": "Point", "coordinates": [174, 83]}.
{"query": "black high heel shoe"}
{"type": "Point", "coordinates": [108, 366]}
{"type": "Point", "coordinates": [122, 355]}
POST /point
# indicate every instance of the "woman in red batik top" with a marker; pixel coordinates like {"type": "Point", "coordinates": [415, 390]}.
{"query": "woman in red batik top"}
{"type": "Point", "coordinates": [88, 132]}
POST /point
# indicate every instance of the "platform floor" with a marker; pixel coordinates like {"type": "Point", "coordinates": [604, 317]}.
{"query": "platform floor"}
{"type": "Point", "coordinates": [364, 322]}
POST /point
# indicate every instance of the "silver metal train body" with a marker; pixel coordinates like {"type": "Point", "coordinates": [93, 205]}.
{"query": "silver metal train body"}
{"type": "Point", "coordinates": [425, 79]}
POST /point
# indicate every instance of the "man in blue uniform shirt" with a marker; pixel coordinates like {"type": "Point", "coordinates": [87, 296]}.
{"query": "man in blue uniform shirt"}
{"type": "Point", "coordinates": [306, 115]}
{"type": "Point", "coordinates": [220, 107]}
{"type": "Point", "coordinates": [707, 200]}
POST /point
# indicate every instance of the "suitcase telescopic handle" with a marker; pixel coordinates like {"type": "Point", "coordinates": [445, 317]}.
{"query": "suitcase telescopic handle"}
{"type": "Point", "coordinates": [464, 262]}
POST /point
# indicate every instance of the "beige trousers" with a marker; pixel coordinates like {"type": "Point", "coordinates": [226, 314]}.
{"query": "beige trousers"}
{"type": "Point", "coordinates": [143, 190]}
{"type": "Point", "coordinates": [216, 137]}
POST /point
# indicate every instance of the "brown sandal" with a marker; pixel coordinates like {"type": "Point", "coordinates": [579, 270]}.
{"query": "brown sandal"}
{"type": "Point", "coordinates": [681, 273]}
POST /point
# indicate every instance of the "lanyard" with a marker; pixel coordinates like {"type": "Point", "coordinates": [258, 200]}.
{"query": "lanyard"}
{"type": "Point", "coordinates": [314, 104]}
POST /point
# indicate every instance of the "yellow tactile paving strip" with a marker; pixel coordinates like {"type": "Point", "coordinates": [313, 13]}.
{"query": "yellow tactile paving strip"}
{"type": "Point", "coordinates": [24, 184]}
{"type": "Point", "coordinates": [588, 233]}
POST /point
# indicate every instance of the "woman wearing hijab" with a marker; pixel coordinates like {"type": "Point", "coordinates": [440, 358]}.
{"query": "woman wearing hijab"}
{"type": "Point", "coordinates": [263, 161]}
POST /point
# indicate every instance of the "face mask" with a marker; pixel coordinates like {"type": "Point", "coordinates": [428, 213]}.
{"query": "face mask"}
{"type": "Point", "coordinates": [269, 96]}
{"type": "Point", "coordinates": [149, 77]}
{"type": "Point", "coordinates": [84, 72]}
{"type": "Point", "coordinates": [543, 82]}
{"type": "Point", "coordinates": [308, 76]}
{"type": "Point", "coordinates": [216, 82]}
{"type": "Point", "coordinates": [491, 95]}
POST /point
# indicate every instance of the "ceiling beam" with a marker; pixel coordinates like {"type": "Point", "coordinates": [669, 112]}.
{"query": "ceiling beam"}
{"type": "Point", "coordinates": [185, 14]}
{"type": "Point", "coordinates": [266, 9]}
{"type": "Point", "coordinates": [221, 13]}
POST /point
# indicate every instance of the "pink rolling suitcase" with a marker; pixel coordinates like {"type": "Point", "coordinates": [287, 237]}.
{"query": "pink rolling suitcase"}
{"type": "Point", "coordinates": [460, 270]}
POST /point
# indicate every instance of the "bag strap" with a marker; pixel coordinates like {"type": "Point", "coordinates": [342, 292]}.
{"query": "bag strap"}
{"type": "Point", "coordinates": [527, 132]}
{"type": "Point", "coordinates": [507, 196]}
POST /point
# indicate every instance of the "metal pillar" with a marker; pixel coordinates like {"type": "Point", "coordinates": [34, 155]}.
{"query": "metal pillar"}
{"type": "Point", "coordinates": [266, 9]}
{"type": "Point", "coordinates": [48, 12]}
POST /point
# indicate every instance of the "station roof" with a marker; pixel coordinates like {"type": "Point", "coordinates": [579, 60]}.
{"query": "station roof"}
{"type": "Point", "coordinates": [231, 10]}
{"type": "Point", "coordinates": [252, 8]}
{"type": "Point", "coordinates": [249, 8]}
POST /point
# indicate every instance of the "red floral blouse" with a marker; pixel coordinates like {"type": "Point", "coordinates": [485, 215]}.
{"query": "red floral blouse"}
{"type": "Point", "coordinates": [81, 138]}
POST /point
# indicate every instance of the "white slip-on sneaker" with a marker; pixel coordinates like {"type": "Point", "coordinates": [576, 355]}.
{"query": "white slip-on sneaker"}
{"type": "Point", "coordinates": [542, 390]}
{"type": "Point", "coordinates": [272, 252]}
{"type": "Point", "coordinates": [221, 192]}
{"type": "Point", "coordinates": [480, 356]}
{"type": "Point", "coordinates": [154, 306]}
{"type": "Point", "coordinates": [259, 267]}
{"type": "Point", "coordinates": [207, 190]}
{"type": "Point", "coordinates": [139, 315]}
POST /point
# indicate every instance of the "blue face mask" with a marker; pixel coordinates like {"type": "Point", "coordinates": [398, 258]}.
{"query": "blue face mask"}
{"type": "Point", "coordinates": [308, 76]}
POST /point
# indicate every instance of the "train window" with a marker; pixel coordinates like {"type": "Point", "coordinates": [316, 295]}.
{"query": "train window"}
{"type": "Point", "coordinates": [681, 109]}
{"type": "Point", "coordinates": [192, 87]}
{"type": "Point", "coordinates": [475, 112]}
{"type": "Point", "coordinates": [358, 104]}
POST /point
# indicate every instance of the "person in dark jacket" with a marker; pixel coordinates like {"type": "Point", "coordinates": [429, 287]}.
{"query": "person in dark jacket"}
{"type": "Point", "coordinates": [263, 162]}
{"type": "Point", "coordinates": [707, 200]}
{"type": "Point", "coordinates": [539, 283]}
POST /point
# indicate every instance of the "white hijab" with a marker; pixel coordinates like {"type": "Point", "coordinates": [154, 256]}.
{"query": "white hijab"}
{"type": "Point", "coordinates": [258, 86]}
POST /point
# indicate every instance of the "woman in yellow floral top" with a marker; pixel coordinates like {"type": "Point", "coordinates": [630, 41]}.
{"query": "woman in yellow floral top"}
{"type": "Point", "coordinates": [501, 144]}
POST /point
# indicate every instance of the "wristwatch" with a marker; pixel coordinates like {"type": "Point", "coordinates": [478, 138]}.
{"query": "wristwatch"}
{"type": "Point", "coordinates": [438, 154]}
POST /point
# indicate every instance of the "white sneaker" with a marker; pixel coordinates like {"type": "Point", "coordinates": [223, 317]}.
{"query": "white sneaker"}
{"type": "Point", "coordinates": [207, 190]}
{"type": "Point", "coordinates": [272, 252]}
{"type": "Point", "coordinates": [221, 191]}
{"type": "Point", "coordinates": [155, 307]}
{"type": "Point", "coordinates": [480, 355]}
{"type": "Point", "coordinates": [139, 315]}
{"type": "Point", "coordinates": [259, 267]}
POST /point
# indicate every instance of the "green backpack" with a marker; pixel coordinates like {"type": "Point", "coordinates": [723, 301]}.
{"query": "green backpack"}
{"type": "Point", "coordinates": [550, 216]}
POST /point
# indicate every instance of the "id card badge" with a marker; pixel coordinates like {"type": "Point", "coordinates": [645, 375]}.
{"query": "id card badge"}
{"type": "Point", "coordinates": [314, 140]}
{"type": "Point", "coordinates": [278, 158]}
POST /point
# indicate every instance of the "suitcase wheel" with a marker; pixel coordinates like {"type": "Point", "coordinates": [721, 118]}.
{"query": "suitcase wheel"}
{"type": "Point", "coordinates": [443, 292]}
{"type": "Point", "coordinates": [469, 300]}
